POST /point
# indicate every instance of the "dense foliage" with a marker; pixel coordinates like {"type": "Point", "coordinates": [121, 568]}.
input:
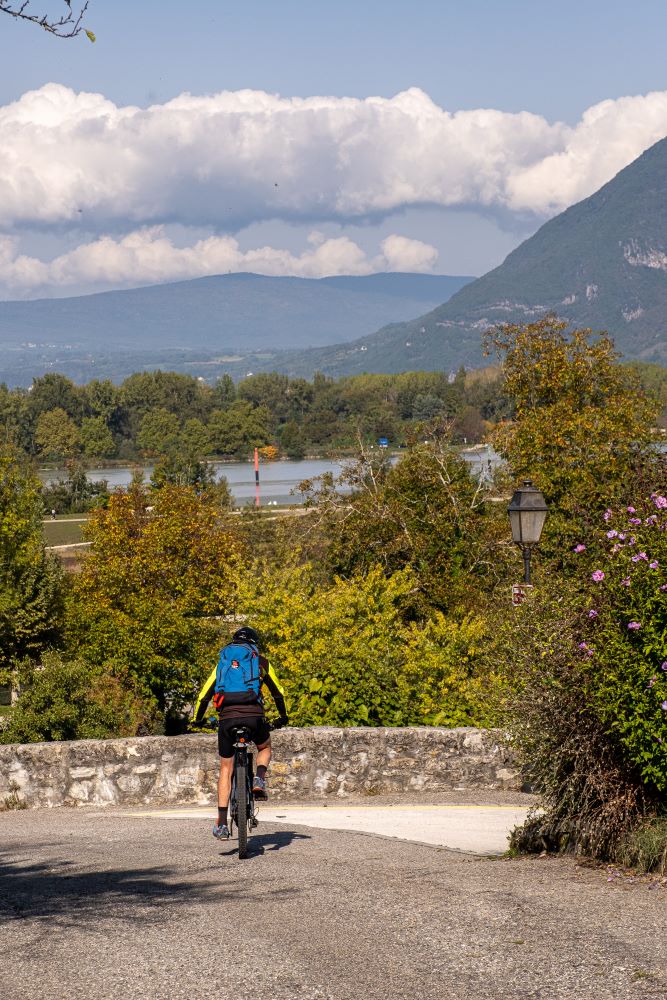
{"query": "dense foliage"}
{"type": "Point", "coordinates": [163, 569]}
{"type": "Point", "coordinates": [30, 580]}
{"type": "Point", "coordinates": [581, 422]}
{"type": "Point", "coordinates": [167, 415]}
{"type": "Point", "coordinates": [73, 700]}
{"type": "Point", "coordinates": [351, 652]}
{"type": "Point", "coordinates": [425, 512]}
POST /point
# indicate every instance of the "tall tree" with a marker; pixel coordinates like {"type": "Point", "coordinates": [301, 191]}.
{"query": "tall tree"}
{"type": "Point", "coordinates": [30, 580]}
{"type": "Point", "coordinates": [583, 423]}
{"type": "Point", "coordinates": [162, 568]}
{"type": "Point", "coordinates": [56, 435]}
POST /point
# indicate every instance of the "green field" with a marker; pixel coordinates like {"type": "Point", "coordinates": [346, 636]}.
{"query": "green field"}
{"type": "Point", "coordinates": [63, 532]}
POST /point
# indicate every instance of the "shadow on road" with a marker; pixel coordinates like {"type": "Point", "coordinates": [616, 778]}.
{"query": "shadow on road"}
{"type": "Point", "coordinates": [56, 890]}
{"type": "Point", "coordinates": [258, 844]}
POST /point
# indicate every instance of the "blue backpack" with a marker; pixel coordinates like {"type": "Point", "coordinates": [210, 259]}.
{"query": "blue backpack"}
{"type": "Point", "coordinates": [238, 677]}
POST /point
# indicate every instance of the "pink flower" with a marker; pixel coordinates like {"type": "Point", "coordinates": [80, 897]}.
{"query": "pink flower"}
{"type": "Point", "coordinates": [652, 681]}
{"type": "Point", "coordinates": [654, 565]}
{"type": "Point", "coordinates": [664, 706]}
{"type": "Point", "coordinates": [630, 510]}
{"type": "Point", "coordinates": [663, 666]}
{"type": "Point", "coordinates": [621, 537]}
{"type": "Point", "coordinates": [660, 502]}
{"type": "Point", "coordinates": [580, 548]}
{"type": "Point", "coordinates": [634, 625]}
{"type": "Point", "coordinates": [592, 613]}
{"type": "Point", "coordinates": [640, 555]}
{"type": "Point", "coordinates": [612, 533]}
{"type": "Point", "coordinates": [664, 587]}
{"type": "Point", "coordinates": [597, 576]}
{"type": "Point", "coordinates": [635, 520]}
{"type": "Point", "coordinates": [583, 645]}
{"type": "Point", "coordinates": [625, 582]}
{"type": "Point", "coordinates": [607, 514]}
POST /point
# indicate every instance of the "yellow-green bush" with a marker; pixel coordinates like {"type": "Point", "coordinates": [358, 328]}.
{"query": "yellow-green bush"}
{"type": "Point", "coordinates": [348, 657]}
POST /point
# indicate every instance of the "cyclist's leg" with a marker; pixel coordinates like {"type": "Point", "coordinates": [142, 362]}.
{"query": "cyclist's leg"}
{"type": "Point", "coordinates": [263, 755]}
{"type": "Point", "coordinates": [263, 744]}
{"type": "Point", "coordinates": [225, 781]}
{"type": "Point", "coordinates": [226, 752]}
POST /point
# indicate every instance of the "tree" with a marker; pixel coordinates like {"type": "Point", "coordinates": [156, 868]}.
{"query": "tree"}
{"type": "Point", "coordinates": [425, 512]}
{"type": "Point", "coordinates": [30, 580]}
{"type": "Point", "coordinates": [75, 493]}
{"type": "Point", "coordinates": [291, 440]}
{"type": "Point", "coordinates": [96, 438]}
{"type": "Point", "coordinates": [159, 433]}
{"type": "Point", "coordinates": [55, 391]}
{"type": "Point", "coordinates": [163, 567]}
{"type": "Point", "coordinates": [223, 393]}
{"type": "Point", "coordinates": [56, 435]}
{"type": "Point", "coordinates": [583, 423]}
{"type": "Point", "coordinates": [239, 429]}
{"type": "Point", "coordinates": [68, 25]}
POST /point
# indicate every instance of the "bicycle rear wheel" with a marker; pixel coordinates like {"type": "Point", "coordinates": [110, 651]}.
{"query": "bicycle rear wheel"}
{"type": "Point", "coordinates": [242, 807]}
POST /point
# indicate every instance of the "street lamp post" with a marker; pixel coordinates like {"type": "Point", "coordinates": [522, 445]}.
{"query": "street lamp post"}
{"type": "Point", "coordinates": [527, 510]}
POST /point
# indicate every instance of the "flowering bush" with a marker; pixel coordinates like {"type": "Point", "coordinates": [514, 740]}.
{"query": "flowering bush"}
{"type": "Point", "coordinates": [624, 633]}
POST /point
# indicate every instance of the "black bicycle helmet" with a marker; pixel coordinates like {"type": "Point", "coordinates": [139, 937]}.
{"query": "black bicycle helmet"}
{"type": "Point", "coordinates": [246, 634]}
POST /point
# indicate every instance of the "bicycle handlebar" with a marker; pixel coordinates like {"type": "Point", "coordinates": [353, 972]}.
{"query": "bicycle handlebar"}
{"type": "Point", "coordinates": [213, 722]}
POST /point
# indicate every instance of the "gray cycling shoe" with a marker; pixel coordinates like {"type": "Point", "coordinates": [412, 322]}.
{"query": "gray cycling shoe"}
{"type": "Point", "coordinates": [221, 832]}
{"type": "Point", "coordinates": [259, 788]}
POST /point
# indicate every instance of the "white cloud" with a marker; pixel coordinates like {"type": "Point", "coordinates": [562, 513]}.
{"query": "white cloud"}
{"type": "Point", "coordinates": [148, 256]}
{"type": "Point", "coordinates": [228, 159]}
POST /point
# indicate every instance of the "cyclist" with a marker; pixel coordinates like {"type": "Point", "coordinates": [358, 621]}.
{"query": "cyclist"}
{"type": "Point", "coordinates": [236, 710]}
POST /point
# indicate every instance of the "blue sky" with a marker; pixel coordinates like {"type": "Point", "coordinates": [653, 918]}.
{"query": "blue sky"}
{"type": "Point", "coordinates": [502, 175]}
{"type": "Point", "coordinates": [555, 59]}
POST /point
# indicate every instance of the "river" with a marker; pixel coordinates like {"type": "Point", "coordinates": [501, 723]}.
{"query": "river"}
{"type": "Point", "coordinates": [277, 479]}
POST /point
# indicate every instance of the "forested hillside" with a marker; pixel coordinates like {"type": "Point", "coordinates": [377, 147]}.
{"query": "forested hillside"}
{"type": "Point", "coordinates": [218, 320]}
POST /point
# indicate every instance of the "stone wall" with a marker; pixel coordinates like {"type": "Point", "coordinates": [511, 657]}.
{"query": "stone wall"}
{"type": "Point", "coordinates": [308, 764]}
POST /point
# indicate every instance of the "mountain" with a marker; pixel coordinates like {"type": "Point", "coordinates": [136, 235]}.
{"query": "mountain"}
{"type": "Point", "coordinates": [231, 315]}
{"type": "Point", "coordinates": [602, 264]}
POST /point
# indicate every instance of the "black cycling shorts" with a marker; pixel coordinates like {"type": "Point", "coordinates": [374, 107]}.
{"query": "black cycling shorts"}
{"type": "Point", "coordinates": [256, 724]}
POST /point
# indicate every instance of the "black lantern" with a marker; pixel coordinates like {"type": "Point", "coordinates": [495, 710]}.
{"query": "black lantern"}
{"type": "Point", "coordinates": [527, 511]}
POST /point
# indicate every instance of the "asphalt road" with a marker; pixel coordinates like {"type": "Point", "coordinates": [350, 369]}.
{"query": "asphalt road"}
{"type": "Point", "coordinates": [96, 905]}
{"type": "Point", "coordinates": [478, 829]}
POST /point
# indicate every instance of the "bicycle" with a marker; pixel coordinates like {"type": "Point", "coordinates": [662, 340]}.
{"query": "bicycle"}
{"type": "Point", "coordinates": [243, 807]}
{"type": "Point", "coordinates": [242, 801]}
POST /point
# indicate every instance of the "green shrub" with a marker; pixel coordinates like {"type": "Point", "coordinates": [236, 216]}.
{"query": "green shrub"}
{"type": "Point", "coordinates": [72, 700]}
{"type": "Point", "coordinates": [349, 657]}
{"type": "Point", "coordinates": [646, 847]}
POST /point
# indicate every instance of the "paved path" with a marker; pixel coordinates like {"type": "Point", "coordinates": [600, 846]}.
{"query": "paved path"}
{"type": "Point", "coordinates": [476, 829]}
{"type": "Point", "coordinates": [101, 906]}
